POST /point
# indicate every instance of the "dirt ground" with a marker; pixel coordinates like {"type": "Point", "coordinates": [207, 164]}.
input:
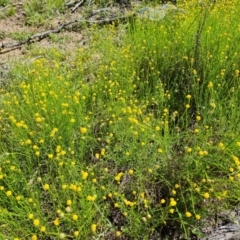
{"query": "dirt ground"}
{"type": "Point", "coordinates": [13, 27]}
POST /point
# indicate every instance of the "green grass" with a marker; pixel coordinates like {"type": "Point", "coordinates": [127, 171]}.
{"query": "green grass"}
{"type": "Point", "coordinates": [137, 137]}
{"type": "Point", "coordinates": [41, 12]}
{"type": "Point", "coordinates": [19, 36]}
{"type": "Point", "coordinates": [7, 10]}
{"type": "Point", "coordinates": [37, 12]}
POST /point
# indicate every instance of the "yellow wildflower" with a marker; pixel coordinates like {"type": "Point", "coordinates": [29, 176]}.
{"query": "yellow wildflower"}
{"type": "Point", "coordinates": [83, 130]}
{"type": "Point", "coordinates": [56, 222]}
{"type": "Point", "coordinates": [173, 202]}
{"type": "Point", "coordinates": [36, 222]}
{"type": "Point", "coordinates": [93, 227]}
{"type": "Point", "coordinates": [206, 195]}
{"type": "Point", "coordinates": [84, 175]}
{"type": "Point", "coordinates": [75, 217]}
{"type": "Point", "coordinates": [188, 214]}
{"type": "Point", "coordinates": [198, 217]}
{"type": "Point", "coordinates": [46, 187]}
{"type": "Point", "coordinates": [34, 237]}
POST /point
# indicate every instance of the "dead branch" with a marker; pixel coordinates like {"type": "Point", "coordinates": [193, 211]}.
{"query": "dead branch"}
{"type": "Point", "coordinates": [77, 6]}
{"type": "Point", "coordinates": [34, 38]}
{"type": "Point", "coordinates": [4, 48]}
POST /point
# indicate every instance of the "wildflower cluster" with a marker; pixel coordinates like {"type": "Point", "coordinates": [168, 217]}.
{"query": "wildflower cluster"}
{"type": "Point", "coordinates": [142, 137]}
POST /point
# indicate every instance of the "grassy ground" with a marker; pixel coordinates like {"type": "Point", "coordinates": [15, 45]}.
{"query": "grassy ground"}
{"type": "Point", "coordinates": [134, 136]}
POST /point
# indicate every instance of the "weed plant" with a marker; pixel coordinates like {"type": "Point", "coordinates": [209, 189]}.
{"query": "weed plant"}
{"type": "Point", "coordinates": [136, 138]}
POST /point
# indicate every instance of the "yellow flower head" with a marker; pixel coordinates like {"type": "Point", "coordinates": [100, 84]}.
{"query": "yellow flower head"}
{"type": "Point", "coordinates": [189, 150]}
{"type": "Point", "coordinates": [84, 175]}
{"type": "Point", "coordinates": [198, 217]}
{"type": "Point", "coordinates": [75, 217]}
{"type": "Point", "coordinates": [160, 150]}
{"type": "Point", "coordinates": [83, 130]}
{"type": "Point", "coordinates": [36, 222]}
{"type": "Point", "coordinates": [206, 195]}
{"type": "Point", "coordinates": [130, 171]}
{"type": "Point", "coordinates": [210, 84]}
{"type": "Point", "coordinates": [34, 237]}
{"type": "Point", "coordinates": [162, 201]}
{"type": "Point", "coordinates": [46, 187]}
{"type": "Point", "coordinates": [172, 210]}
{"type": "Point", "coordinates": [188, 214]}
{"type": "Point", "coordinates": [9, 193]}
{"type": "Point", "coordinates": [198, 118]}
{"type": "Point", "coordinates": [174, 192]}
{"type": "Point", "coordinates": [231, 178]}
{"type": "Point", "coordinates": [56, 222]}
{"type": "Point", "coordinates": [28, 141]}
{"type": "Point", "coordinates": [93, 227]}
{"type": "Point", "coordinates": [173, 203]}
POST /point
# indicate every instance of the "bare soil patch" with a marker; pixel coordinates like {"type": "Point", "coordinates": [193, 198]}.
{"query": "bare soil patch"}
{"type": "Point", "coordinates": [13, 30]}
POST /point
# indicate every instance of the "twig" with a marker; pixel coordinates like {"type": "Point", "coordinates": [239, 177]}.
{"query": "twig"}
{"type": "Point", "coordinates": [2, 9]}
{"type": "Point", "coordinates": [77, 6]}
{"type": "Point", "coordinates": [70, 4]}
